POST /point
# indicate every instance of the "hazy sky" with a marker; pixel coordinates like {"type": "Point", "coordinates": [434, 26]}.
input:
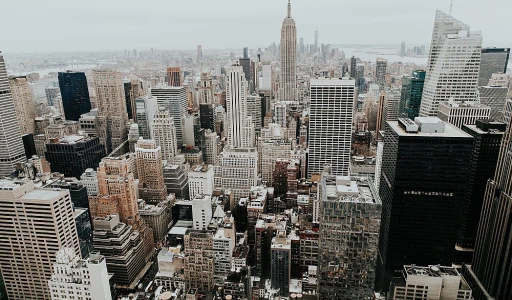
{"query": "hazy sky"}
{"type": "Point", "coordinates": [75, 25]}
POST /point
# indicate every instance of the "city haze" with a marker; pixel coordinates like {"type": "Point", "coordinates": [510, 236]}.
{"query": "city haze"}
{"type": "Point", "coordinates": [61, 25]}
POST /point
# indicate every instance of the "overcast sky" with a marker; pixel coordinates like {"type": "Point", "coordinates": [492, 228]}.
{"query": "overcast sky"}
{"type": "Point", "coordinates": [75, 25]}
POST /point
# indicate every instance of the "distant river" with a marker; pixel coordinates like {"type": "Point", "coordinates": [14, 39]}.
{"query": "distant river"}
{"type": "Point", "coordinates": [371, 54]}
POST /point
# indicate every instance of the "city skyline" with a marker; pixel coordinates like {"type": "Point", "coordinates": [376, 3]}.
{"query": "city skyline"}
{"type": "Point", "coordinates": [113, 24]}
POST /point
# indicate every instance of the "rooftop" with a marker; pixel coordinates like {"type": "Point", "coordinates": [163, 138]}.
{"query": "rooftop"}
{"type": "Point", "coordinates": [450, 131]}
{"type": "Point", "coordinates": [44, 194]}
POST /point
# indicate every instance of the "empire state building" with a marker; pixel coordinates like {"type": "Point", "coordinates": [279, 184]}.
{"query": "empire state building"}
{"type": "Point", "coordinates": [288, 83]}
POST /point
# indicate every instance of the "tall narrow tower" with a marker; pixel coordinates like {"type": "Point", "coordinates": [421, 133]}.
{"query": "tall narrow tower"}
{"type": "Point", "coordinates": [239, 126]}
{"type": "Point", "coordinates": [288, 85]}
{"type": "Point", "coordinates": [11, 144]}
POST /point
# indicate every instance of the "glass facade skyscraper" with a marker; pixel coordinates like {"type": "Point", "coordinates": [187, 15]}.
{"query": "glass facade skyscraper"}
{"type": "Point", "coordinates": [75, 94]}
{"type": "Point", "coordinates": [412, 90]}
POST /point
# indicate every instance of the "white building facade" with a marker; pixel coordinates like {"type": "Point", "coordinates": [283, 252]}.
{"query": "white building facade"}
{"type": "Point", "coordinates": [79, 279]}
{"type": "Point", "coordinates": [453, 64]}
{"type": "Point", "coordinates": [330, 131]}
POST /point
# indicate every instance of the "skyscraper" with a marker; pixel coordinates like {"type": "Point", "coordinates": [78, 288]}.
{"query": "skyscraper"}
{"type": "Point", "coordinates": [207, 116]}
{"type": "Point", "coordinates": [452, 45]}
{"type": "Point", "coordinates": [34, 222]}
{"type": "Point", "coordinates": [75, 94]}
{"type": "Point", "coordinates": [353, 67]}
{"type": "Point", "coordinates": [199, 54]}
{"type": "Point", "coordinates": [23, 103]}
{"type": "Point", "coordinates": [348, 239]}
{"type": "Point", "coordinates": [486, 148]}
{"type": "Point", "coordinates": [11, 143]}
{"type": "Point", "coordinates": [421, 209]}
{"type": "Point", "coordinates": [150, 171]}
{"type": "Point", "coordinates": [493, 60]}
{"type": "Point", "coordinates": [174, 76]}
{"type": "Point", "coordinates": [164, 134]}
{"type": "Point", "coordinates": [240, 128]}
{"type": "Point", "coordinates": [288, 84]}
{"type": "Point", "coordinates": [206, 89]}
{"type": "Point", "coordinates": [330, 121]}
{"type": "Point", "coordinates": [493, 254]}
{"type": "Point", "coordinates": [112, 115]}
{"type": "Point", "coordinates": [494, 97]}
{"type": "Point", "coordinates": [72, 155]}
{"type": "Point", "coordinates": [133, 89]}
{"type": "Point", "coordinates": [412, 91]}
{"type": "Point", "coordinates": [174, 99]}
{"type": "Point", "coordinates": [380, 72]}
{"type": "Point", "coordinates": [315, 49]}
{"type": "Point", "coordinates": [402, 49]}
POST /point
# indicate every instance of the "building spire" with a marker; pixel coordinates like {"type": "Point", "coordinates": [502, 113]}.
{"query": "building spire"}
{"type": "Point", "coordinates": [289, 10]}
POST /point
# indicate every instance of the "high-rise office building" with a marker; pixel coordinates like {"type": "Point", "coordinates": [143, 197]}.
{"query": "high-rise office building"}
{"type": "Point", "coordinates": [150, 171]}
{"type": "Point", "coordinates": [350, 240]}
{"type": "Point", "coordinates": [35, 223]}
{"type": "Point", "coordinates": [176, 181]}
{"type": "Point", "coordinates": [164, 134]}
{"type": "Point", "coordinates": [494, 97]}
{"type": "Point", "coordinates": [211, 147]}
{"type": "Point", "coordinates": [288, 83]}
{"type": "Point", "coordinates": [199, 261]}
{"type": "Point", "coordinates": [75, 94]}
{"type": "Point", "coordinates": [240, 128]}
{"type": "Point", "coordinates": [237, 171]}
{"type": "Point", "coordinates": [11, 143]}
{"type": "Point", "coordinates": [412, 91]}
{"type": "Point", "coordinates": [174, 99]}
{"type": "Point", "coordinates": [330, 121]}
{"type": "Point", "coordinates": [207, 116]}
{"type": "Point", "coordinates": [421, 210]}
{"type": "Point", "coordinates": [492, 257]}
{"type": "Point", "coordinates": [315, 49]}
{"type": "Point", "coordinates": [402, 49]}
{"type": "Point", "coordinates": [206, 89]}
{"type": "Point", "coordinates": [133, 89]}
{"type": "Point", "coordinates": [493, 60]}
{"type": "Point", "coordinates": [90, 180]}
{"type": "Point", "coordinates": [23, 103]}
{"type": "Point", "coordinates": [452, 44]}
{"type": "Point", "coordinates": [199, 54]}
{"type": "Point", "coordinates": [71, 155]}
{"type": "Point", "coordinates": [486, 147]}
{"type": "Point", "coordinates": [112, 115]}
{"type": "Point", "coordinates": [466, 113]}
{"type": "Point", "coordinates": [174, 76]}
{"type": "Point", "coordinates": [117, 194]}
{"type": "Point", "coordinates": [80, 279]}
{"type": "Point", "coordinates": [254, 110]}
{"type": "Point", "coordinates": [124, 248]}
{"type": "Point", "coordinates": [353, 67]}
{"type": "Point", "coordinates": [380, 72]}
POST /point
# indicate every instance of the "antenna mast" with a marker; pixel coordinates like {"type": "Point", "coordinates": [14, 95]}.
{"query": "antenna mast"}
{"type": "Point", "coordinates": [451, 7]}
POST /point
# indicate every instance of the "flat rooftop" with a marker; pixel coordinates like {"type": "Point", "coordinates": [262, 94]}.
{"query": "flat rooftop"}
{"type": "Point", "coordinates": [43, 194]}
{"type": "Point", "coordinates": [450, 131]}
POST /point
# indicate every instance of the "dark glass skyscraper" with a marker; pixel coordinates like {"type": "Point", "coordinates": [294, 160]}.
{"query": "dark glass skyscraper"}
{"type": "Point", "coordinates": [75, 94]}
{"type": "Point", "coordinates": [72, 155]}
{"type": "Point", "coordinates": [207, 116]}
{"type": "Point", "coordinates": [491, 272]}
{"type": "Point", "coordinates": [410, 99]}
{"type": "Point", "coordinates": [486, 147]}
{"type": "Point", "coordinates": [493, 60]}
{"type": "Point", "coordinates": [424, 175]}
